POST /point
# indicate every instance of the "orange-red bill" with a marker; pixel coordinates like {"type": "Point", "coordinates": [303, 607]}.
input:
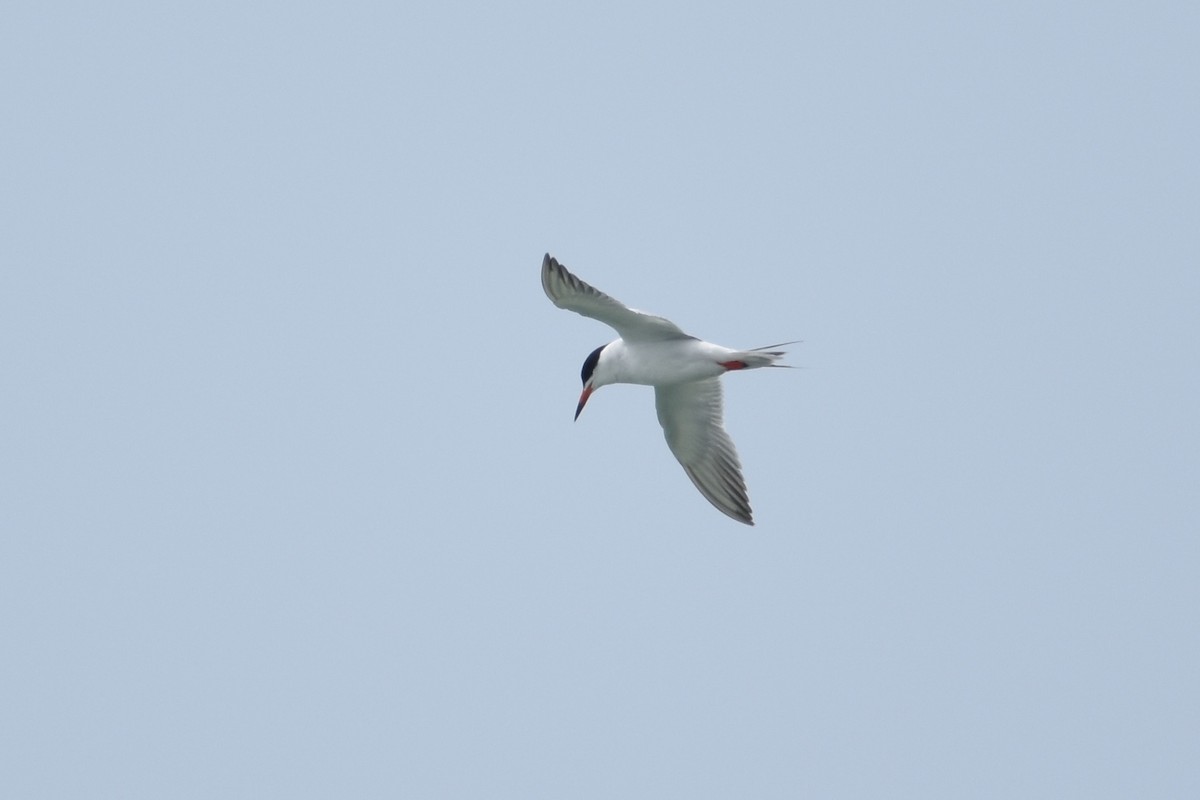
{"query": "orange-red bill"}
{"type": "Point", "coordinates": [583, 398]}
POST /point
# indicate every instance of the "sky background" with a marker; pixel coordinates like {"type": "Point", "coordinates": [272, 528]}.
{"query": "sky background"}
{"type": "Point", "coordinates": [292, 502]}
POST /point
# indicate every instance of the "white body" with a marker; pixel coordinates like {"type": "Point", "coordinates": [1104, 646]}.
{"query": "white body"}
{"type": "Point", "coordinates": [661, 363]}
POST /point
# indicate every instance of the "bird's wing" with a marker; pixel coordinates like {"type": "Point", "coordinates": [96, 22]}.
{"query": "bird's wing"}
{"type": "Point", "coordinates": [690, 415]}
{"type": "Point", "coordinates": [567, 291]}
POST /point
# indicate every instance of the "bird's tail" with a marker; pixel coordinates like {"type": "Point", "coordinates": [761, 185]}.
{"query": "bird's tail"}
{"type": "Point", "coordinates": [762, 356]}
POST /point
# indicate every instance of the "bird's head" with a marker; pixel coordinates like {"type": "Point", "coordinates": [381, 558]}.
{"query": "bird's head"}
{"type": "Point", "coordinates": [594, 374]}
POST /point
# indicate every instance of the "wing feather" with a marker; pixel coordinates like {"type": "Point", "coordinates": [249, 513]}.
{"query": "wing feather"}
{"type": "Point", "coordinates": [691, 418]}
{"type": "Point", "coordinates": [569, 292]}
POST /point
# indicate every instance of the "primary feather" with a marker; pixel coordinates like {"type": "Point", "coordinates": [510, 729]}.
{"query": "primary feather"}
{"type": "Point", "coordinates": [569, 292]}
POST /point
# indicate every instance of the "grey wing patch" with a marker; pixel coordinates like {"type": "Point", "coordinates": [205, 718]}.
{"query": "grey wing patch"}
{"type": "Point", "coordinates": [567, 291]}
{"type": "Point", "coordinates": [691, 418]}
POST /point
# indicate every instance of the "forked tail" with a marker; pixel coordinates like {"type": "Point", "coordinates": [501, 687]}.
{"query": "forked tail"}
{"type": "Point", "coordinates": [758, 357]}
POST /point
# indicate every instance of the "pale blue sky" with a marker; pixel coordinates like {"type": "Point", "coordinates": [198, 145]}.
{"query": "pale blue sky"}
{"type": "Point", "coordinates": [292, 501]}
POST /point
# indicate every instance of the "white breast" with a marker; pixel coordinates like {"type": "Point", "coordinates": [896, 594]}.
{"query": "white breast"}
{"type": "Point", "coordinates": [667, 362]}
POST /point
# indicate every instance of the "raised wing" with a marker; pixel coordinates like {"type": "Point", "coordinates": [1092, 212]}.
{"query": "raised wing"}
{"type": "Point", "coordinates": [690, 415]}
{"type": "Point", "coordinates": [567, 291]}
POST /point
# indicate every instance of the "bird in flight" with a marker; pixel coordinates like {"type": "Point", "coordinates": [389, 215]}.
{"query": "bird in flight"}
{"type": "Point", "coordinates": [685, 373]}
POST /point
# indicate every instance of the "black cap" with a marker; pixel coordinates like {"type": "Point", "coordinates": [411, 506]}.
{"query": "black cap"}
{"type": "Point", "coordinates": [589, 363]}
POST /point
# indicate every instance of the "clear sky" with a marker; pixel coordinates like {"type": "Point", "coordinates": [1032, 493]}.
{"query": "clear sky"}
{"type": "Point", "coordinates": [292, 504]}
